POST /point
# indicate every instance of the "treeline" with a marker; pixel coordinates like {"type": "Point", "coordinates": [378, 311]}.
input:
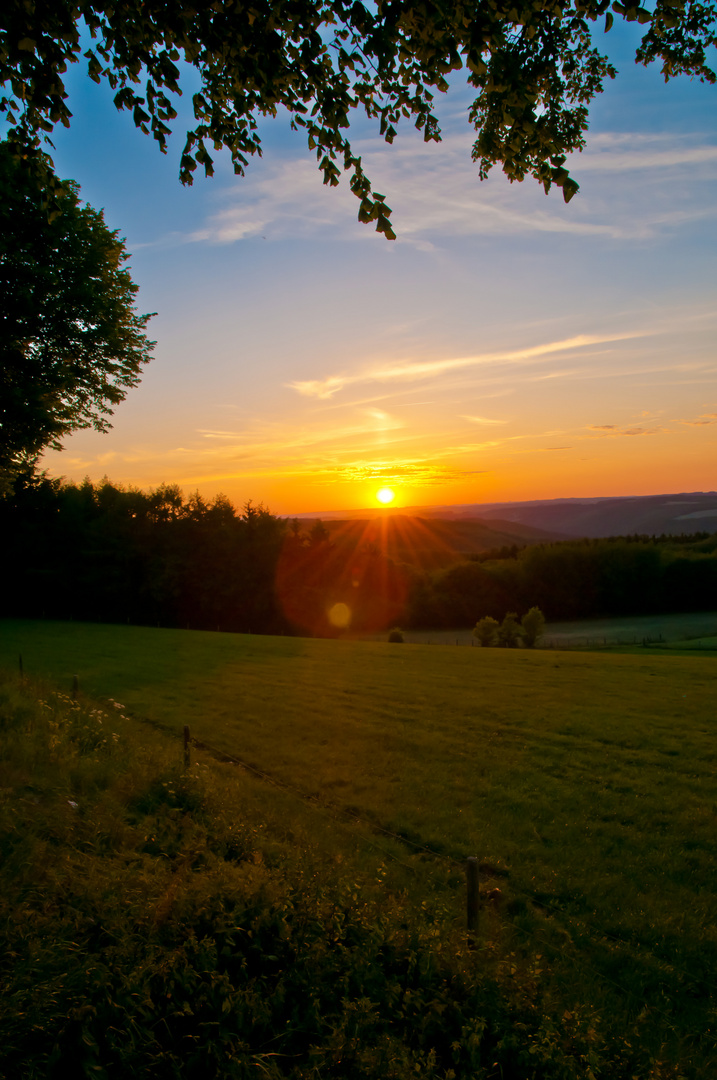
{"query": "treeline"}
{"type": "Point", "coordinates": [574, 579]}
{"type": "Point", "coordinates": [100, 552]}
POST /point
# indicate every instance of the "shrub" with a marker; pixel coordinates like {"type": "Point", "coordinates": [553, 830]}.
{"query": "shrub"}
{"type": "Point", "coordinates": [485, 630]}
{"type": "Point", "coordinates": [532, 625]}
{"type": "Point", "coordinates": [509, 631]}
{"type": "Point", "coordinates": [395, 636]}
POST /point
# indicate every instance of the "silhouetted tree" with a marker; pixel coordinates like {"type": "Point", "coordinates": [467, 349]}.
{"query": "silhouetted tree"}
{"type": "Point", "coordinates": [318, 534]}
{"type": "Point", "coordinates": [71, 343]}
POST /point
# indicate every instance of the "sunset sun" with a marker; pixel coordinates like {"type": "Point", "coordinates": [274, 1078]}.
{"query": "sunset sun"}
{"type": "Point", "coordinates": [385, 495]}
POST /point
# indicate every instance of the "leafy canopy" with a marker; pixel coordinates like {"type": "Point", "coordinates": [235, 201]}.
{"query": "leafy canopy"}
{"type": "Point", "coordinates": [533, 64]}
{"type": "Point", "coordinates": [532, 626]}
{"type": "Point", "coordinates": [485, 630]}
{"type": "Point", "coordinates": [71, 344]}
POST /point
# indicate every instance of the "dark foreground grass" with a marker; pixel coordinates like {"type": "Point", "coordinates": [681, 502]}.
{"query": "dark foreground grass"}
{"type": "Point", "coordinates": [155, 923]}
{"type": "Point", "coordinates": [590, 778]}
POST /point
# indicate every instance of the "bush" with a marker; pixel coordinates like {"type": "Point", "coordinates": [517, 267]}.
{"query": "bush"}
{"type": "Point", "coordinates": [532, 625]}
{"type": "Point", "coordinates": [509, 631]}
{"type": "Point", "coordinates": [395, 636]}
{"type": "Point", "coordinates": [485, 630]}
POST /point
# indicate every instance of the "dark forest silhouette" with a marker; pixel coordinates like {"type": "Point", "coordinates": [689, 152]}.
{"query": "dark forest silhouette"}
{"type": "Point", "coordinates": [104, 553]}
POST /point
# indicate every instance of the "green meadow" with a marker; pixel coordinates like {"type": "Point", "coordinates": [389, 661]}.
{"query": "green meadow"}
{"type": "Point", "coordinates": [583, 782]}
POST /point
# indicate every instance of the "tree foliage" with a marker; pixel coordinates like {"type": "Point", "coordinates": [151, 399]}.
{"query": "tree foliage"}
{"type": "Point", "coordinates": [531, 627]}
{"type": "Point", "coordinates": [104, 553]}
{"type": "Point", "coordinates": [485, 630]}
{"type": "Point", "coordinates": [101, 552]}
{"type": "Point", "coordinates": [509, 631]}
{"type": "Point", "coordinates": [574, 579]}
{"type": "Point", "coordinates": [71, 344]}
{"type": "Point", "coordinates": [533, 65]}
{"type": "Point", "coordinates": [107, 554]}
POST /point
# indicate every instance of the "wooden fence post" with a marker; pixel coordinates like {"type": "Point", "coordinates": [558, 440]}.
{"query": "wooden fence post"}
{"type": "Point", "coordinates": [186, 746]}
{"type": "Point", "coordinates": [472, 896]}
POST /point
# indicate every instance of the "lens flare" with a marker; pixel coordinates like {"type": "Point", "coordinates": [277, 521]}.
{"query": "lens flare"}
{"type": "Point", "coordinates": [340, 616]}
{"type": "Point", "coordinates": [385, 495]}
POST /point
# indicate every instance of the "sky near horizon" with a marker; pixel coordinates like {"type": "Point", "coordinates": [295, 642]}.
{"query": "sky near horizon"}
{"type": "Point", "coordinates": [505, 347]}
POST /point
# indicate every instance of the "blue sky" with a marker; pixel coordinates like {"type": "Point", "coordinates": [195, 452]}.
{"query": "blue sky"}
{"type": "Point", "coordinates": [505, 346]}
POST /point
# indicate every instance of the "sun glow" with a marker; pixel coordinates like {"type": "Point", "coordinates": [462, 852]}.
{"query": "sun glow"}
{"type": "Point", "coordinates": [385, 496]}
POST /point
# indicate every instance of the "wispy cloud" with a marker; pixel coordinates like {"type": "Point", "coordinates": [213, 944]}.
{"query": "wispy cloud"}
{"type": "Point", "coordinates": [631, 151]}
{"type": "Point", "coordinates": [424, 369]}
{"type": "Point", "coordinates": [612, 431]}
{"type": "Point", "coordinates": [436, 194]}
{"type": "Point", "coordinates": [483, 420]}
{"type": "Point", "coordinates": [416, 473]}
{"type": "Point", "coordinates": [279, 437]}
{"type": "Point", "coordinates": [701, 421]}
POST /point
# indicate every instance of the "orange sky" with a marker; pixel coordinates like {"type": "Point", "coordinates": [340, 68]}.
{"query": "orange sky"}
{"type": "Point", "coordinates": [505, 347]}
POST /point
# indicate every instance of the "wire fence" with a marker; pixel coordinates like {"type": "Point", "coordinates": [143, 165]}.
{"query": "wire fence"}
{"type": "Point", "coordinates": [348, 820]}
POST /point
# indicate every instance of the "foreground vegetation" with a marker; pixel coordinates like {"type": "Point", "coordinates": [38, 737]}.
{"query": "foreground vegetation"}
{"type": "Point", "coordinates": [170, 924]}
{"type": "Point", "coordinates": [584, 783]}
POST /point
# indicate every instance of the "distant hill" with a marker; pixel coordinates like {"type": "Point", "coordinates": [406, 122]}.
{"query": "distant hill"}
{"type": "Point", "coordinates": [431, 542]}
{"type": "Point", "coordinates": [652, 514]}
{"type": "Point", "coordinates": [552, 519]}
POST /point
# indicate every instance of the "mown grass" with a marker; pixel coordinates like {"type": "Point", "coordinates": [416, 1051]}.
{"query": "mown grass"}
{"type": "Point", "coordinates": [167, 923]}
{"type": "Point", "coordinates": [589, 777]}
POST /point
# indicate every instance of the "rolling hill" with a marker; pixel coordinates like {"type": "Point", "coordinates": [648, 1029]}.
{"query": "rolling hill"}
{"type": "Point", "coordinates": [555, 519]}
{"type": "Point", "coordinates": [431, 542]}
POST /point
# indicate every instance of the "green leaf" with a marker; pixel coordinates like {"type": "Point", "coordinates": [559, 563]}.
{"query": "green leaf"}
{"type": "Point", "coordinates": [570, 187]}
{"type": "Point", "coordinates": [332, 59]}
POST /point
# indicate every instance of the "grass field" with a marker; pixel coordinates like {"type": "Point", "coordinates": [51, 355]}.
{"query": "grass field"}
{"type": "Point", "coordinates": [589, 778]}
{"type": "Point", "coordinates": [689, 630]}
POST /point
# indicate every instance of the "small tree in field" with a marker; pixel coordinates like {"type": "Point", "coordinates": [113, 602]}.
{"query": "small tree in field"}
{"type": "Point", "coordinates": [395, 636]}
{"type": "Point", "coordinates": [509, 631]}
{"type": "Point", "coordinates": [532, 625]}
{"type": "Point", "coordinates": [485, 631]}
